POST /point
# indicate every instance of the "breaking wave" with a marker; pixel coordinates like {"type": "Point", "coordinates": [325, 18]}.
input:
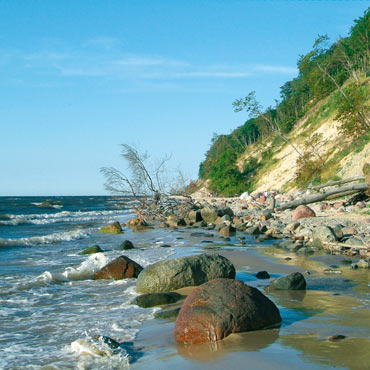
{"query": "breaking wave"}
{"type": "Point", "coordinates": [64, 216]}
{"type": "Point", "coordinates": [83, 272]}
{"type": "Point", "coordinates": [46, 239]}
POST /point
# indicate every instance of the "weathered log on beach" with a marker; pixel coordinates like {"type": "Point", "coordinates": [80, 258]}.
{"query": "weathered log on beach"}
{"type": "Point", "coordinates": [334, 183]}
{"type": "Point", "coordinates": [332, 246]}
{"type": "Point", "coordinates": [312, 198]}
{"type": "Point", "coordinates": [335, 196]}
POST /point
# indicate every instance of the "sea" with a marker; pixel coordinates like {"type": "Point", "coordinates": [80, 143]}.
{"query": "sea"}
{"type": "Point", "coordinates": [50, 308]}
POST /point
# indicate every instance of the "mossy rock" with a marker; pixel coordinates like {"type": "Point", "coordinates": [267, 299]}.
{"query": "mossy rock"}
{"type": "Point", "coordinates": [114, 228]}
{"type": "Point", "coordinates": [169, 275]}
{"type": "Point", "coordinates": [92, 249]}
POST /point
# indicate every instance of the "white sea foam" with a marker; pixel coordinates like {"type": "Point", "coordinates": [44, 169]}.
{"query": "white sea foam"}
{"type": "Point", "coordinates": [64, 216]}
{"type": "Point", "coordinates": [47, 239]}
{"type": "Point", "coordinates": [85, 271]}
{"type": "Point", "coordinates": [97, 354]}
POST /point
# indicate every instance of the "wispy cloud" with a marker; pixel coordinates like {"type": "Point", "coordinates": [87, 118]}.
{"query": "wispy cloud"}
{"type": "Point", "coordinates": [102, 42]}
{"type": "Point", "coordinates": [143, 61]}
{"type": "Point", "coordinates": [104, 58]}
{"type": "Point", "coordinates": [275, 69]}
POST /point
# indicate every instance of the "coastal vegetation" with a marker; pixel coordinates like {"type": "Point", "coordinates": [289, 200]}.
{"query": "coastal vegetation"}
{"type": "Point", "coordinates": [333, 84]}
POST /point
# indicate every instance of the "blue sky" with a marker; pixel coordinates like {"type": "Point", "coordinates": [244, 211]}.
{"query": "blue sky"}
{"type": "Point", "coordinates": [78, 78]}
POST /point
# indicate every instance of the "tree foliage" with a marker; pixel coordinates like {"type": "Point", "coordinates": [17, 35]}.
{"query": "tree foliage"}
{"type": "Point", "coordinates": [323, 70]}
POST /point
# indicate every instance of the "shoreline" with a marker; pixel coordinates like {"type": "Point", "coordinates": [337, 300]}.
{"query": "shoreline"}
{"type": "Point", "coordinates": [266, 349]}
{"type": "Point", "coordinates": [334, 303]}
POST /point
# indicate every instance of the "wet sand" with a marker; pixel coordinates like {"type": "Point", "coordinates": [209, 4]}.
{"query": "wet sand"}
{"type": "Point", "coordinates": [333, 304]}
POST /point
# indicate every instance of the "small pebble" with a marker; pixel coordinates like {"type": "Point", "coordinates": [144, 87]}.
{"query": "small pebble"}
{"type": "Point", "coordinates": [334, 338]}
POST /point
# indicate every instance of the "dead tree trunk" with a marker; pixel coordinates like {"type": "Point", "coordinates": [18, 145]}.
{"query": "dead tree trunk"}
{"type": "Point", "coordinates": [312, 198]}
{"type": "Point", "coordinates": [339, 182]}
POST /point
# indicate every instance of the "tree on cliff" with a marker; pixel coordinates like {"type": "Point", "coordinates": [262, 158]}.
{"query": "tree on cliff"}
{"type": "Point", "coordinates": [269, 119]}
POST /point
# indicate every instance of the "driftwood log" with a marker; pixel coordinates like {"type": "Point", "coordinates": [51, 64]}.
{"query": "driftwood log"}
{"type": "Point", "coordinates": [334, 183]}
{"type": "Point", "coordinates": [312, 198]}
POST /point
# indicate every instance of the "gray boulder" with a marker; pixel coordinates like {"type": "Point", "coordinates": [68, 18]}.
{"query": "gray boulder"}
{"type": "Point", "coordinates": [338, 232]}
{"type": "Point", "coordinates": [253, 230]}
{"type": "Point", "coordinates": [294, 281]}
{"type": "Point", "coordinates": [221, 220]}
{"type": "Point", "coordinates": [127, 245]}
{"type": "Point", "coordinates": [227, 230]}
{"type": "Point", "coordinates": [323, 234]}
{"type": "Point", "coordinates": [263, 275]}
{"type": "Point", "coordinates": [165, 276]}
{"type": "Point", "coordinates": [195, 216]}
{"type": "Point", "coordinates": [209, 214]}
{"type": "Point", "coordinates": [225, 211]}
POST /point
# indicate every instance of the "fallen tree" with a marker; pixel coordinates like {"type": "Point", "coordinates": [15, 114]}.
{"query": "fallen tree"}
{"type": "Point", "coordinates": [149, 182]}
{"type": "Point", "coordinates": [334, 183]}
{"type": "Point", "coordinates": [313, 198]}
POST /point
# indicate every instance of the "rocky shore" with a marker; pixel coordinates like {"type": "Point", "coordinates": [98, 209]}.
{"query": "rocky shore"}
{"type": "Point", "coordinates": [221, 305]}
{"type": "Point", "coordinates": [337, 227]}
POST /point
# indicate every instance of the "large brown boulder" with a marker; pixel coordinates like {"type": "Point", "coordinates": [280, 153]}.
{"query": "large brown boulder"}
{"type": "Point", "coordinates": [120, 268]}
{"type": "Point", "coordinates": [220, 307]}
{"type": "Point", "coordinates": [303, 211]}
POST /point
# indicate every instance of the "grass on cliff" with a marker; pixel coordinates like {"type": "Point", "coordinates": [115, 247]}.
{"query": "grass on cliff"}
{"type": "Point", "coordinates": [332, 166]}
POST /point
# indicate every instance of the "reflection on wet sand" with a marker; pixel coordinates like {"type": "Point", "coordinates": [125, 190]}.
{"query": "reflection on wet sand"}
{"type": "Point", "coordinates": [251, 341]}
{"type": "Point", "coordinates": [350, 353]}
